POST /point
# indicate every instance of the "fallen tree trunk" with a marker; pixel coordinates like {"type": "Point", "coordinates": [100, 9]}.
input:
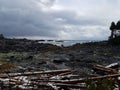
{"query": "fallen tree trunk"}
{"type": "Point", "coordinates": [107, 69]}
{"type": "Point", "coordinates": [34, 73]}
{"type": "Point", "coordinates": [66, 73]}
{"type": "Point", "coordinates": [74, 81]}
{"type": "Point", "coordinates": [91, 78]}
{"type": "Point", "coordinates": [70, 85]}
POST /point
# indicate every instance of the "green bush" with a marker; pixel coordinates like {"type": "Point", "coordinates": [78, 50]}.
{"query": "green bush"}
{"type": "Point", "coordinates": [104, 84]}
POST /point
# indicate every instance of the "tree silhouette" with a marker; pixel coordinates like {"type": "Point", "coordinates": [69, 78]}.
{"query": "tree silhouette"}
{"type": "Point", "coordinates": [114, 39]}
{"type": "Point", "coordinates": [112, 28]}
{"type": "Point", "coordinates": [118, 25]}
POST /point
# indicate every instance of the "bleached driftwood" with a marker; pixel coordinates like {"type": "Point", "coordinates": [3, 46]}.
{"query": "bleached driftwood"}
{"type": "Point", "coordinates": [34, 73]}
{"type": "Point", "coordinates": [107, 69]}
{"type": "Point", "coordinates": [91, 78]}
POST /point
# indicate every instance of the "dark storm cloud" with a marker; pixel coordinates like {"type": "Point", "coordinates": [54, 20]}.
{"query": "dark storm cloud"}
{"type": "Point", "coordinates": [57, 18]}
{"type": "Point", "coordinates": [24, 18]}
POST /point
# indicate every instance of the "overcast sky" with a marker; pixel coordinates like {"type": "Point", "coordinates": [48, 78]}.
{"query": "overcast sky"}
{"type": "Point", "coordinates": [58, 19]}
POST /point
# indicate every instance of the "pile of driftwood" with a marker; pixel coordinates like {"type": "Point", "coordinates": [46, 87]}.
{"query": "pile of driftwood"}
{"type": "Point", "coordinates": [56, 79]}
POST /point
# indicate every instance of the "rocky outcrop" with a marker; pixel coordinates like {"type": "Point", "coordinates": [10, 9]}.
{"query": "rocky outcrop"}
{"type": "Point", "coordinates": [80, 57]}
{"type": "Point", "coordinates": [22, 45]}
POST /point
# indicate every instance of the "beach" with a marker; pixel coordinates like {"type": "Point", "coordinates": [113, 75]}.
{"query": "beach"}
{"type": "Point", "coordinates": [80, 57]}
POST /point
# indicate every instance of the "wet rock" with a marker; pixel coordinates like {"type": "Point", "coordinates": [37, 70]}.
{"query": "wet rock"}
{"type": "Point", "coordinates": [11, 59]}
{"type": "Point", "coordinates": [42, 62]}
{"type": "Point", "coordinates": [58, 61]}
{"type": "Point", "coordinates": [29, 57]}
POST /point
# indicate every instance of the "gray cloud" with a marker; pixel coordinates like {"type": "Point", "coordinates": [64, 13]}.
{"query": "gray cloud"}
{"type": "Point", "coordinates": [25, 20]}
{"type": "Point", "coordinates": [47, 3]}
{"type": "Point", "coordinates": [71, 17]}
{"type": "Point", "coordinates": [53, 19]}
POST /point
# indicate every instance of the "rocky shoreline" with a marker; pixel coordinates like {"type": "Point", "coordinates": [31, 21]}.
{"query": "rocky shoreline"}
{"type": "Point", "coordinates": [39, 57]}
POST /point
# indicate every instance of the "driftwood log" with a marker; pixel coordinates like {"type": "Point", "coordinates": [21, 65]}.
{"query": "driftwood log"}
{"type": "Point", "coordinates": [107, 69]}
{"type": "Point", "coordinates": [53, 72]}
{"type": "Point", "coordinates": [74, 81]}
{"type": "Point", "coordinates": [91, 78]}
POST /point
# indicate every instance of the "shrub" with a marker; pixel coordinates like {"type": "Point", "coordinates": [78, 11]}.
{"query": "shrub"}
{"type": "Point", "coordinates": [104, 84]}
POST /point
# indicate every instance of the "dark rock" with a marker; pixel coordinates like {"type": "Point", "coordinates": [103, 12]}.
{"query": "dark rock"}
{"type": "Point", "coordinates": [11, 58]}
{"type": "Point", "coordinates": [42, 62]}
{"type": "Point", "coordinates": [58, 60]}
{"type": "Point", "coordinates": [29, 57]}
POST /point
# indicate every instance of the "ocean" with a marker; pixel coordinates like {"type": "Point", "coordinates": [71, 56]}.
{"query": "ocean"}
{"type": "Point", "coordinates": [66, 42]}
